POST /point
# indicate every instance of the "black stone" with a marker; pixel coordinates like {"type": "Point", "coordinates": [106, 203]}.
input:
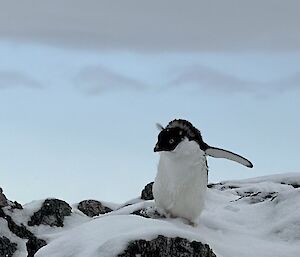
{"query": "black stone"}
{"type": "Point", "coordinates": [165, 247]}
{"type": "Point", "coordinates": [7, 248]}
{"type": "Point", "coordinates": [33, 245]}
{"type": "Point", "coordinates": [93, 208]}
{"type": "Point", "coordinates": [147, 193]}
{"type": "Point", "coordinates": [52, 213]}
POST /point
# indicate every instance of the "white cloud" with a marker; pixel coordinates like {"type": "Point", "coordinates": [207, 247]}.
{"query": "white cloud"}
{"type": "Point", "coordinates": [287, 83]}
{"type": "Point", "coordinates": [95, 80]}
{"type": "Point", "coordinates": [207, 79]}
{"type": "Point", "coordinates": [171, 25]}
{"type": "Point", "coordinates": [9, 79]}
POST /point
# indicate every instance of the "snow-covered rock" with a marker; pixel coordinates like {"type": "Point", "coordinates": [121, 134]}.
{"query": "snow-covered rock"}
{"type": "Point", "coordinates": [52, 213]}
{"type": "Point", "coordinates": [242, 218]}
{"type": "Point", "coordinates": [93, 208]}
{"type": "Point", "coordinates": [147, 193]}
{"type": "Point", "coordinates": [165, 246]}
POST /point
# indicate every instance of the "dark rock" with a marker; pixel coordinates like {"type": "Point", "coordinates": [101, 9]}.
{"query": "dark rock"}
{"type": "Point", "coordinates": [4, 202]}
{"type": "Point", "coordinates": [221, 186]}
{"type": "Point", "coordinates": [165, 247]}
{"type": "Point", "coordinates": [3, 199]}
{"type": "Point", "coordinates": [33, 245]}
{"type": "Point", "coordinates": [92, 208]}
{"type": "Point", "coordinates": [147, 192]}
{"type": "Point", "coordinates": [294, 185]}
{"type": "Point", "coordinates": [7, 248]}
{"type": "Point", "coordinates": [16, 205]}
{"type": "Point", "coordinates": [52, 213]}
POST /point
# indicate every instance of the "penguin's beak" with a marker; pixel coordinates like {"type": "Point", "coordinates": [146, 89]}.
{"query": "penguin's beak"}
{"type": "Point", "coordinates": [157, 148]}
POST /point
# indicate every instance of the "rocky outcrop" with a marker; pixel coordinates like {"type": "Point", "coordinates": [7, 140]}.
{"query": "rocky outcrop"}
{"type": "Point", "coordinates": [93, 208]}
{"type": "Point", "coordinates": [19, 230]}
{"type": "Point", "coordinates": [33, 243]}
{"type": "Point", "coordinates": [52, 213]}
{"type": "Point", "coordinates": [7, 248]}
{"type": "Point", "coordinates": [3, 199]}
{"type": "Point", "coordinates": [147, 192]}
{"type": "Point", "coordinates": [165, 246]}
{"type": "Point", "coordinates": [16, 205]}
{"type": "Point", "coordinates": [4, 202]}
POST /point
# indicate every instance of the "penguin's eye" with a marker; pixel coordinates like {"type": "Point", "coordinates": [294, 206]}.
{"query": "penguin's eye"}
{"type": "Point", "coordinates": [171, 141]}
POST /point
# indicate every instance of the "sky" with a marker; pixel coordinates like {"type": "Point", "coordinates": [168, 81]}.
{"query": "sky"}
{"type": "Point", "coordinates": [83, 84]}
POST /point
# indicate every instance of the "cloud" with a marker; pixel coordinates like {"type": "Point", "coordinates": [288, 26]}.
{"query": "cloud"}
{"type": "Point", "coordinates": [287, 83]}
{"type": "Point", "coordinates": [211, 80]}
{"type": "Point", "coordinates": [171, 25]}
{"type": "Point", "coordinates": [10, 79]}
{"type": "Point", "coordinates": [95, 80]}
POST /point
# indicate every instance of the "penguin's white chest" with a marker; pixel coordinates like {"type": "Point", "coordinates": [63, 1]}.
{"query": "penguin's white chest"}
{"type": "Point", "coordinates": [181, 181]}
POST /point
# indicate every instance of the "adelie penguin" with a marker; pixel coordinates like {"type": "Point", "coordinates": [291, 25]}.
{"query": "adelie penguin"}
{"type": "Point", "coordinates": [181, 181]}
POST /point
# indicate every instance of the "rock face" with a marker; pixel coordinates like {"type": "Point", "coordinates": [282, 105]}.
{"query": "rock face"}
{"type": "Point", "coordinates": [7, 248]}
{"type": "Point", "coordinates": [52, 213]}
{"type": "Point", "coordinates": [16, 205]}
{"type": "Point", "coordinates": [4, 202]}
{"type": "Point", "coordinates": [147, 192]}
{"type": "Point", "coordinates": [92, 208]}
{"type": "Point", "coordinates": [19, 230]}
{"type": "Point", "coordinates": [164, 247]}
{"type": "Point", "coordinates": [3, 199]}
{"type": "Point", "coordinates": [33, 245]}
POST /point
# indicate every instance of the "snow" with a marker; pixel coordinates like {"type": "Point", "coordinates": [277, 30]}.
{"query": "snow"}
{"type": "Point", "coordinates": [232, 225]}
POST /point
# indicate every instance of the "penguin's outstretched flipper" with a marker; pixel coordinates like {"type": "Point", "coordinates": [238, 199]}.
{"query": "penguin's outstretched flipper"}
{"type": "Point", "coordinates": [221, 153]}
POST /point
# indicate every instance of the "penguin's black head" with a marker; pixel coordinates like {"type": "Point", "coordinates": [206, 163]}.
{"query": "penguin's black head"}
{"type": "Point", "coordinates": [169, 138]}
{"type": "Point", "coordinates": [176, 132]}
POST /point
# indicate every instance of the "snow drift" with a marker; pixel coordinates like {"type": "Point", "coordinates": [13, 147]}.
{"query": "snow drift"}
{"type": "Point", "coordinates": [242, 218]}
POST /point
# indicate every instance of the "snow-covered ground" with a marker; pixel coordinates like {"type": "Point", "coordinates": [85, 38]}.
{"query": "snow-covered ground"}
{"type": "Point", "coordinates": [245, 218]}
